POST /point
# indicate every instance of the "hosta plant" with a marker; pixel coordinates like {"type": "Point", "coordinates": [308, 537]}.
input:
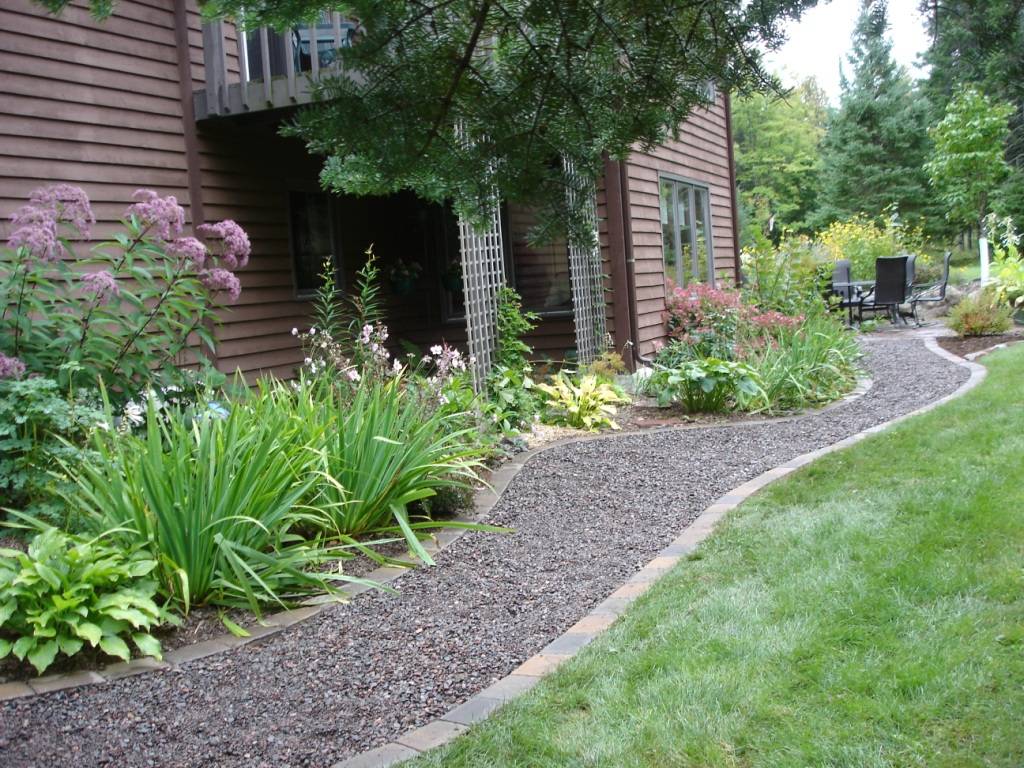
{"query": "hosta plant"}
{"type": "Point", "coordinates": [585, 404]}
{"type": "Point", "coordinates": [706, 385]}
{"type": "Point", "coordinates": [68, 591]}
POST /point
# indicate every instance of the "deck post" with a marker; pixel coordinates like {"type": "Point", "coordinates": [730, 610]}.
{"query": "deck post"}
{"type": "Point", "coordinates": [216, 64]}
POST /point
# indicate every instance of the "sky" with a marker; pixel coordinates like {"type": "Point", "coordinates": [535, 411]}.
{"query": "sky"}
{"type": "Point", "coordinates": [820, 40]}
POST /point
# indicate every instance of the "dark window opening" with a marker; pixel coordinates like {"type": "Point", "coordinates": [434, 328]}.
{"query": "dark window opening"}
{"type": "Point", "coordinates": [540, 272]}
{"type": "Point", "coordinates": [312, 238]}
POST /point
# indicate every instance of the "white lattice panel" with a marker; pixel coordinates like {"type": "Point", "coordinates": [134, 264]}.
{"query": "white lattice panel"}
{"type": "Point", "coordinates": [585, 270]}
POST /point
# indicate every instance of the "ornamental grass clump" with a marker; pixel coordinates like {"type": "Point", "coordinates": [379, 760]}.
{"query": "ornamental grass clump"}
{"type": "Point", "coordinates": [375, 454]}
{"type": "Point", "coordinates": [215, 500]}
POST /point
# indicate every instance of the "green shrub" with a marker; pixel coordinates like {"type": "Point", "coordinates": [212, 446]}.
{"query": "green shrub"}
{"type": "Point", "coordinates": [215, 502]}
{"type": "Point", "coordinates": [785, 279]}
{"type": "Point", "coordinates": [808, 365]}
{"type": "Point", "coordinates": [377, 454]}
{"type": "Point", "coordinates": [585, 404]}
{"type": "Point", "coordinates": [509, 385]}
{"type": "Point", "coordinates": [706, 385]}
{"type": "Point", "coordinates": [606, 366]}
{"type": "Point", "coordinates": [39, 426]}
{"type": "Point", "coordinates": [67, 591]}
{"type": "Point", "coordinates": [980, 315]}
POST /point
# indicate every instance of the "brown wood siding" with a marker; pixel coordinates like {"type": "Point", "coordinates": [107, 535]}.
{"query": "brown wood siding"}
{"type": "Point", "coordinates": [700, 154]}
{"type": "Point", "coordinates": [89, 103]}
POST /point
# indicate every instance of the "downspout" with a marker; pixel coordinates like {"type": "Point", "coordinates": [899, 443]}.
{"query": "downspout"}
{"type": "Point", "coordinates": [627, 230]}
{"type": "Point", "coordinates": [732, 191]}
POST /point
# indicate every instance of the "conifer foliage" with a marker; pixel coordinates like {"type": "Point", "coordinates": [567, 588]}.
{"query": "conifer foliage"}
{"type": "Point", "coordinates": [877, 142]}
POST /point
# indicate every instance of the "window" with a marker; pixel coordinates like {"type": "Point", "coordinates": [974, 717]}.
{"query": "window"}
{"type": "Point", "coordinates": [686, 232]}
{"type": "Point", "coordinates": [540, 272]}
{"type": "Point", "coordinates": [312, 238]}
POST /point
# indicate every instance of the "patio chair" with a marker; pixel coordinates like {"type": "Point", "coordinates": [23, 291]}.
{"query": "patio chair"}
{"type": "Point", "coordinates": [911, 275]}
{"type": "Point", "coordinates": [890, 287]}
{"type": "Point", "coordinates": [847, 293]}
{"type": "Point", "coordinates": [932, 293]}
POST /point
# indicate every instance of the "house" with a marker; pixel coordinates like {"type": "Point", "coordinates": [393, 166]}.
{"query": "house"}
{"type": "Point", "coordinates": [154, 98]}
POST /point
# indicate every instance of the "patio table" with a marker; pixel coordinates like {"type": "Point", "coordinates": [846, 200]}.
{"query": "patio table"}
{"type": "Point", "coordinates": [861, 288]}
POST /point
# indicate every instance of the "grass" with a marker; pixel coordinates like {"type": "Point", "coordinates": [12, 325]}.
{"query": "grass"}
{"type": "Point", "coordinates": [866, 611]}
{"type": "Point", "coordinates": [964, 273]}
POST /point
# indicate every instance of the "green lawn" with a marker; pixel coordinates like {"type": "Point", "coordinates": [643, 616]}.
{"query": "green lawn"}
{"type": "Point", "coordinates": [964, 273]}
{"type": "Point", "coordinates": [866, 611]}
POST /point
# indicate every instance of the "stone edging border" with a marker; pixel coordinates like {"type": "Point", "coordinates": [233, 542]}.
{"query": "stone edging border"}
{"type": "Point", "coordinates": [484, 501]}
{"type": "Point", "coordinates": [565, 646]}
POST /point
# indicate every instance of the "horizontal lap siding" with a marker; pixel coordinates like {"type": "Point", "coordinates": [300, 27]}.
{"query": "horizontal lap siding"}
{"type": "Point", "coordinates": [701, 153]}
{"type": "Point", "coordinates": [96, 104]}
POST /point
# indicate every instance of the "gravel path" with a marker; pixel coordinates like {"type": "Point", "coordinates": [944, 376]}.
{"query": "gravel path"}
{"type": "Point", "coordinates": [586, 516]}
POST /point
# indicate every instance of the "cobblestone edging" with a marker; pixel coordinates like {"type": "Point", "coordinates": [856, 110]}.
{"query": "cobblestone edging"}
{"type": "Point", "coordinates": [564, 647]}
{"type": "Point", "coordinates": [272, 624]}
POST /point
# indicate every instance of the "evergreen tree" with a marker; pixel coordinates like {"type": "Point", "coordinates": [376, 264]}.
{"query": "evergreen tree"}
{"type": "Point", "coordinates": [778, 158]}
{"type": "Point", "coordinates": [877, 142]}
{"type": "Point", "coordinates": [527, 81]}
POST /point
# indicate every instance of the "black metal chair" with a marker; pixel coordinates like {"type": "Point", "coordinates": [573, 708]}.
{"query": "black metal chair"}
{"type": "Point", "coordinates": [843, 289]}
{"type": "Point", "coordinates": [933, 293]}
{"type": "Point", "coordinates": [890, 287]}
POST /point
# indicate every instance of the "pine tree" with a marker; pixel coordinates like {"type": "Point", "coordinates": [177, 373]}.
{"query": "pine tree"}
{"type": "Point", "coordinates": [877, 142]}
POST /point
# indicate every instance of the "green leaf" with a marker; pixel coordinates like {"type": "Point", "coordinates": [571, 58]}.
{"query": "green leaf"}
{"type": "Point", "coordinates": [43, 655]}
{"type": "Point", "coordinates": [69, 646]}
{"type": "Point", "coordinates": [88, 631]}
{"type": "Point", "coordinates": [148, 645]}
{"type": "Point", "coordinates": [233, 628]}
{"type": "Point", "coordinates": [115, 646]}
{"type": "Point", "coordinates": [5, 647]}
{"type": "Point", "coordinates": [23, 646]}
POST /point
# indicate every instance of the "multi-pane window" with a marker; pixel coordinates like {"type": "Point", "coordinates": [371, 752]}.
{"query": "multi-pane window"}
{"type": "Point", "coordinates": [686, 232]}
{"type": "Point", "coordinates": [312, 238]}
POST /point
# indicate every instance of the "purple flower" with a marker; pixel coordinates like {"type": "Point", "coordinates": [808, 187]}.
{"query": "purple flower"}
{"type": "Point", "coordinates": [69, 203]}
{"type": "Point", "coordinates": [161, 215]}
{"type": "Point", "coordinates": [35, 226]}
{"type": "Point", "coordinates": [217, 280]}
{"type": "Point", "coordinates": [235, 246]}
{"type": "Point", "coordinates": [11, 367]}
{"type": "Point", "coordinates": [35, 230]}
{"type": "Point", "coordinates": [101, 285]}
{"type": "Point", "coordinates": [188, 249]}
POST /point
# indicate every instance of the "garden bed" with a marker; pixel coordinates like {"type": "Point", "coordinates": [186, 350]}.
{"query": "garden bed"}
{"type": "Point", "coordinates": [963, 346]}
{"type": "Point", "coordinates": [586, 516]}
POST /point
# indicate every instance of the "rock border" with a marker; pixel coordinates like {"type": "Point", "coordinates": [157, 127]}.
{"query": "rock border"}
{"type": "Point", "coordinates": [478, 707]}
{"type": "Point", "coordinates": [272, 624]}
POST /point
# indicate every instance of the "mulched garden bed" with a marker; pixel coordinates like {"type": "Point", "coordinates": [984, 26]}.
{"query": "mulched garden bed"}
{"type": "Point", "coordinates": [967, 345]}
{"type": "Point", "coordinates": [585, 516]}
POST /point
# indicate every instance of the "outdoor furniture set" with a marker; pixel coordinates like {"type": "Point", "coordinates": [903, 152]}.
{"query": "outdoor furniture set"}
{"type": "Point", "coordinates": [893, 291]}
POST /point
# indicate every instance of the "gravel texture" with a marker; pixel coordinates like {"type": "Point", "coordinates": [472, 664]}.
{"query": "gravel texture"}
{"type": "Point", "coordinates": [586, 516]}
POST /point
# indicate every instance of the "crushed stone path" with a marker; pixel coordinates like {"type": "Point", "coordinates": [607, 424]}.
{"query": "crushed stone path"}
{"type": "Point", "coordinates": [586, 517]}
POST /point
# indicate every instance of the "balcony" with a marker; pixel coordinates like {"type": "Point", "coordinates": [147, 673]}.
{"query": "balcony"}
{"type": "Point", "coordinates": [263, 69]}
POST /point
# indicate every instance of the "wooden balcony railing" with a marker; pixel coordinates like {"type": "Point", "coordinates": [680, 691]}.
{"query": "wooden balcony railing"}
{"type": "Point", "coordinates": [265, 69]}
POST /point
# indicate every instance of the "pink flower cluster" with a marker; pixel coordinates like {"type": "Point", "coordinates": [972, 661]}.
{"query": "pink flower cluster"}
{"type": "Point", "coordinates": [701, 308]}
{"type": "Point", "coordinates": [11, 367]}
{"type": "Point", "coordinates": [164, 220]}
{"type": "Point", "coordinates": [772, 320]}
{"type": "Point", "coordinates": [234, 242]}
{"type": "Point", "coordinates": [100, 285]}
{"type": "Point", "coordinates": [219, 279]}
{"type": "Point", "coordinates": [162, 217]}
{"type": "Point", "coordinates": [36, 226]}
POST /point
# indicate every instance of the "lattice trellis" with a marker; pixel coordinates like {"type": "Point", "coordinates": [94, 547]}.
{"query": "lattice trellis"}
{"type": "Point", "coordinates": [483, 275]}
{"type": "Point", "coordinates": [585, 271]}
